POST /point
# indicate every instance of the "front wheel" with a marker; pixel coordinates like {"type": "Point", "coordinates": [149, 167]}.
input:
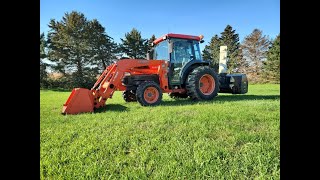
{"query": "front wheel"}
{"type": "Point", "coordinates": [149, 94]}
{"type": "Point", "coordinates": [129, 96]}
{"type": "Point", "coordinates": [202, 84]}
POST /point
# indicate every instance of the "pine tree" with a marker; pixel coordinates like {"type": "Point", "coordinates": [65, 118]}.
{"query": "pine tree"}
{"type": "Point", "coordinates": [134, 45]}
{"type": "Point", "coordinates": [43, 65]}
{"type": "Point", "coordinates": [206, 52]}
{"type": "Point", "coordinates": [212, 52]}
{"type": "Point", "coordinates": [76, 45]}
{"type": "Point", "coordinates": [153, 37]}
{"type": "Point", "coordinates": [103, 48]}
{"type": "Point", "coordinates": [69, 45]}
{"type": "Point", "coordinates": [231, 39]}
{"type": "Point", "coordinates": [254, 49]}
{"type": "Point", "coordinates": [271, 66]}
{"type": "Point", "coordinates": [43, 45]}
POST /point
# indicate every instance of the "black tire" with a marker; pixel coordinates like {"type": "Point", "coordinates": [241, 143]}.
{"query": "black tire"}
{"type": "Point", "coordinates": [141, 91]}
{"type": "Point", "coordinates": [129, 96]}
{"type": "Point", "coordinates": [178, 95]}
{"type": "Point", "coordinates": [193, 83]}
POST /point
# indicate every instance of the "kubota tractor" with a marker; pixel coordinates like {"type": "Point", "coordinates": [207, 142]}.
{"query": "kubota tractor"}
{"type": "Point", "coordinates": [177, 68]}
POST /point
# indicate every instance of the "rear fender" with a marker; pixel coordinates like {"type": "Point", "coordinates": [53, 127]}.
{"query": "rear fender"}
{"type": "Point", "coordinates": [187, 68]}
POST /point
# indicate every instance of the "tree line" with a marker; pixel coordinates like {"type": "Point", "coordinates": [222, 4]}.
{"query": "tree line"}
{"type": "Point", "coordinates": [257, 56]}
{"type": "Point", "coordinates": [80, 49]}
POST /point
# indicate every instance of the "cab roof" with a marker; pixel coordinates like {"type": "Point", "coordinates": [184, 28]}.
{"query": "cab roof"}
{"type": "Point", "coordinates": [181, 36]}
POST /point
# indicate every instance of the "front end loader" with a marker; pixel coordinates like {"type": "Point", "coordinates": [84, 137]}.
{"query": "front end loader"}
{"type": "Point", "coordinates": [85, 100]}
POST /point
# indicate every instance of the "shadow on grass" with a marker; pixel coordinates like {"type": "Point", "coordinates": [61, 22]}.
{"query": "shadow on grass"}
{"type": "Point", "coordinates": [111, 107]}
{"type": "Point", "coordinates": [220, 99]}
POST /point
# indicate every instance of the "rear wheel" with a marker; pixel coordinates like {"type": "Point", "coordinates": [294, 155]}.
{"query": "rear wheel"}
{"type": "Point", "coordinates": [129, 96]}
{"type": "Point", "coordinates": [202, 84]}
{"type": "Point", "coordinates": [149, 94]}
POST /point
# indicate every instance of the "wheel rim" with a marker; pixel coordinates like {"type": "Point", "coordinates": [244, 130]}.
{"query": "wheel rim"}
{"type": "Point", "coordinates": [207, 84]}
{"type": "Point", "coordinates": [151, 95]}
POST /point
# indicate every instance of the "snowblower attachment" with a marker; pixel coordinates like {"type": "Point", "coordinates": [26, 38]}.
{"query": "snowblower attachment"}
{"type": "Point", "coordinates": [80, 100]}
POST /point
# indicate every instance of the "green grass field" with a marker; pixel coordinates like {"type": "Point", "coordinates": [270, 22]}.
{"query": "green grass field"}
{"type": "Point", "coordinates": [230, 137]}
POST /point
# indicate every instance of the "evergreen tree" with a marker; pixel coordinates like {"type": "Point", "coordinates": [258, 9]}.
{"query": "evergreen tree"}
{"type": "Point", "coordinates": [254, 50]}
{"type": "Point", "coordinates": [43, 65]}
{"type": "Point", "coordinates": [103, 48]}
{"type": "Point", "coordinates": [69, 44]}
{"type": "Point", "coordinates": [134, 45]}
{"type": "Point", "coordinates": [206, 52]}
{"type": "Point", "coordinates": [43, 45]}
{"type": "Point", "coordinates": [272, 64]}
{"type": "Point", "coordinates": [153, 37]}
{"type": "Point", "coordinates": [231, 39]}
{"type": "Point", "coordinates": [212, 52]}
{"type": "Point", "coordinates": [76, 45]}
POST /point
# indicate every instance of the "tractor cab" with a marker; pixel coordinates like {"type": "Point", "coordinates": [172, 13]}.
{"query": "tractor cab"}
{"type": "Point", "coordinates": [182, 51]}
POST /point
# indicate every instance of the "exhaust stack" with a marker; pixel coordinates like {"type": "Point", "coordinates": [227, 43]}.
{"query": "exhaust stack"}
{"type": "Point", "coordinates": [223, 60]}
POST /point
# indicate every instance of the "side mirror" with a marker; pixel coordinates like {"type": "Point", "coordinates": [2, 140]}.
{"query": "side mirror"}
{"type": "Point", "coordinates": [201, 41]}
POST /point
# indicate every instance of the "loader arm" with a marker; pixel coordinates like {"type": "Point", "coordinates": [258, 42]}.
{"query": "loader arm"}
{"type": "Point", "coordinates": [85, 100]}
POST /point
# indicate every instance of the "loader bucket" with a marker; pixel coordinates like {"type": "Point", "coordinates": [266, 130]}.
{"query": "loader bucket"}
{"type": "Point", "coordinates": [79, 101]}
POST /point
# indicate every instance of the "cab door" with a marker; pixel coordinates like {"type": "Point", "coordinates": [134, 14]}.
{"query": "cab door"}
{"type": "Point", "coordinates": [182, 53]}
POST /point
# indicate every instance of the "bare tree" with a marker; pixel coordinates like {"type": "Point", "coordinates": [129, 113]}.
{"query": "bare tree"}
{"type": "Point", "coordinates": [254, 51]}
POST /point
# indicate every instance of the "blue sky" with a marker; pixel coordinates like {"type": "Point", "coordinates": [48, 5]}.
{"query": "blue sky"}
{"type": "Point", "coordinates": [158, 17]}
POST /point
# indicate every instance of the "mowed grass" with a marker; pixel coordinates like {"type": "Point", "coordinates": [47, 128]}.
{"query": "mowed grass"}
{"type": "Point", "coordinates": [230, 137]}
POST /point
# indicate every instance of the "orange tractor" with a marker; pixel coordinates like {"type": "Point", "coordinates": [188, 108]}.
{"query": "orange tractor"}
{"type": "Point", "coordinates": [177, 69]}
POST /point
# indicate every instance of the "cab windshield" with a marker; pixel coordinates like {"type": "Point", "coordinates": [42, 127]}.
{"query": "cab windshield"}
{"type": "Point", "coordinates": [161, 51]}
